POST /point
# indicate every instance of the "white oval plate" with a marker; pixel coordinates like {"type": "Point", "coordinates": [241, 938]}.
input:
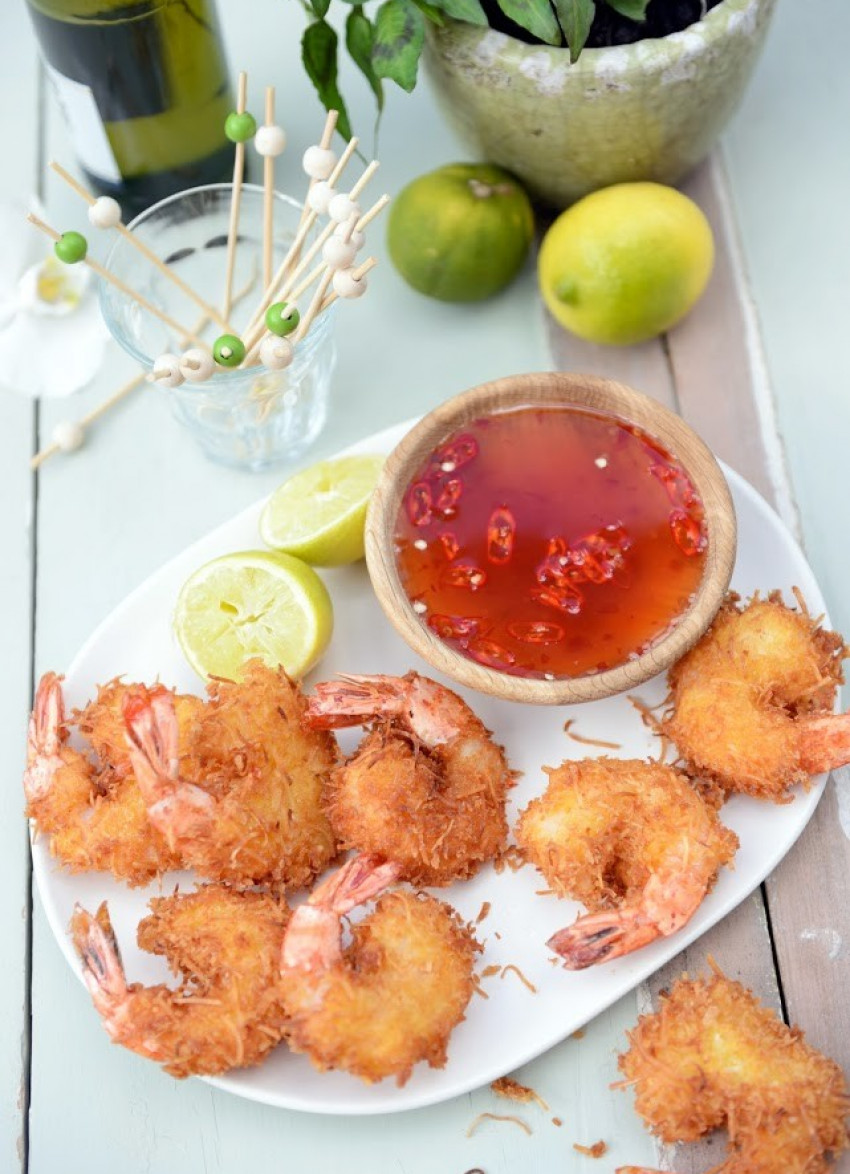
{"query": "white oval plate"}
{"type": "Point", "coordinates": [513, 1025]}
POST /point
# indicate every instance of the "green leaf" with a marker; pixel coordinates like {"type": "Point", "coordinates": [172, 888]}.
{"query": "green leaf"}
{"type": "Point", "coordinates": [633, 9]}
{"type": "Point", "coordinates": [359, 39]}
{"type": "Point", "coordinates": [432, 13]}
{"type": "Point", "coordinates": [466, 10]}
{"type": "Point", "coordinates": [536, 16]}
{"type": "Point", "coordinates": [576, 17]}
{"type": "Point", "coordinates": [320, 7]}
{"type": "Point", "coordinates": [318, 53]}
{"type": "Point", "coordinates": [399, 36]}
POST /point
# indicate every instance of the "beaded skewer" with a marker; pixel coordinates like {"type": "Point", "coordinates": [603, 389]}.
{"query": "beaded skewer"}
{"type": "Point", "coordinates": [270, 142]}
{"type": "Point", "coordinates": [72, 249]}
{"type": "Point", "coordinates": [239, 127]}
{"type": "Point", "coordinates": [104, 212]}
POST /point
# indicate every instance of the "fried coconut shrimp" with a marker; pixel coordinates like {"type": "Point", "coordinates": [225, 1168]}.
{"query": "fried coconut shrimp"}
{"type": "Point", "coordinates": [226, 1013]}
{"type": "Point", "coordinates": [389, 999]}
{"type": "Point", "coordinates": [243, 802]}
{"type": "Point", "coordinates": [426, 787]}
{"type": "Point", "coordinates": [631, 840]}
{"type": "Point", "coordinates": [713, 1056]}
{"type": "Point", "coordinates": [92, 809]}
{"type": "Point", "coordinates": [752, 700]}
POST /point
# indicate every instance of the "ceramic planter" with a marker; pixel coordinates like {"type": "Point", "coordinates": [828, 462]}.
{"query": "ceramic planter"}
{"type": "Point", "coordinates": [651, 110]}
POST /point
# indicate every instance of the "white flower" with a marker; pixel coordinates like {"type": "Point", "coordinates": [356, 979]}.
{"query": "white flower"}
{"type": "Point", "coordinates": [52, 334]}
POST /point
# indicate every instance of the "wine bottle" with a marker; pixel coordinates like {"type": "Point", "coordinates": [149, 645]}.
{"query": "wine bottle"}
{"type": "Point", "coordinates": [144, 88]}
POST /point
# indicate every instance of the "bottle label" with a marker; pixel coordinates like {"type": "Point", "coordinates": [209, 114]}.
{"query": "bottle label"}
{"type": "Point", "coordinates": [85, 126]}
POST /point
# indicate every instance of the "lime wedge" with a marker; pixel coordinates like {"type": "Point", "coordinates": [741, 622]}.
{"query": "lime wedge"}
{"type": "Point", "coordinates": [319, 514]}
{"type": "Point", "coordinates": [253, 604]}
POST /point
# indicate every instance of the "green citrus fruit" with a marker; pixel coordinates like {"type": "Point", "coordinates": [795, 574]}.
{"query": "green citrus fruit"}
{"type": "Point", "coordinates": [253, 603]}
{"type": "Point", "coordinates": [318, 515]}
{"type": "Point", "coordinates": [625, 263]}
{"type": "Point", "coordinates": [460, 233]}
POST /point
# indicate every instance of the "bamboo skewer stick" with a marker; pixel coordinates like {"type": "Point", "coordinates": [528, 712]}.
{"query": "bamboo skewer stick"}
{"type": "Point", "coordinates": [307, 222]}
{"type": "Point", "coordinates": [140, 246]}
{"type": "Point", "coordinates": [120, 285]}
{"type": "Point", "coordinates": [268, 196]}
{"type": "Point", "coordinates": [127, 388]}
{"type": "Point", "coordinates": [235, 198]}
{"type": "Point", "coordinates": [321, 289]}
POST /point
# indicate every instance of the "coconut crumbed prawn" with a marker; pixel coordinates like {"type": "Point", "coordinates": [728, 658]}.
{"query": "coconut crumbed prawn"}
{"type": "Point", "coordinates": [226, 1012]}
{"type": "Point", "coordinates": [711, 1056]}
{"type": "Point", "coordinates": [426, 787]}
{"type": "Point", "coordinates": [751, 702]}
{"type": "Point", "coordinates": [243, 804]}
{"type": "Point", "coordinates": [392, 997]}
{"type": "Point", "coordinates": [631, 840]}
{"type": "Point", "coordinates": [91, 808]}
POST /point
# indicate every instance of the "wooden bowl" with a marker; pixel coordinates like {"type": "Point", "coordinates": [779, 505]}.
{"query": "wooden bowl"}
{"type": "Point", "coordinates": [542, 390]}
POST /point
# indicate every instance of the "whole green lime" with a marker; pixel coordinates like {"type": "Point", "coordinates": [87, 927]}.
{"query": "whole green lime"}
{"type": "Point", "coordinates": [460, 233]}
{"type": "Point", "coordinates": [626, 262]}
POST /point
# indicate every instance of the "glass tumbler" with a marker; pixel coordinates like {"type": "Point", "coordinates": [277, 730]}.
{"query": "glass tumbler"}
{"type": "Point", "coordinates": [248, 417]}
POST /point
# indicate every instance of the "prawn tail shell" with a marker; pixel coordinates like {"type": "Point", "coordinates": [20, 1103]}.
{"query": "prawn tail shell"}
{"type": "Point", "coordinates": [357, 881]}
{"type": "Point", "coordinates": [95, 942]}
{"type": "Point", "coordinates": [600, 938]}
{"type": "Point", "coordinates": [46, 734]}
{"type": "Point", "coordinates": [351, 700]}
{"type": "Point", "coordinates": [824, 742]}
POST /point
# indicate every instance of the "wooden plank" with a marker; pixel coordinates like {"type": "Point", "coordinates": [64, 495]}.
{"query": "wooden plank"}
{"type": "Point", "coordinates": [18, 422]}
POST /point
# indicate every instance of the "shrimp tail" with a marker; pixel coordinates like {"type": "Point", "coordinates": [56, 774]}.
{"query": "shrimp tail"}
{"type": "Point", "coordinates": [668, 902]}
{"type": "Point", "coordinates": [352, 700]}
{"type": "Point", "coordinates": [603, 936]}
{"type": "Point", "coordinates": [312, 940]}
{"type": "Point", "coordinates": [824, 742]}
{"type": "Point", "coordinates": [45, 735]}
{"type": "Point", "coordinates": [177, 809]}
{"type": "Point", "coordinates": [103, 971]}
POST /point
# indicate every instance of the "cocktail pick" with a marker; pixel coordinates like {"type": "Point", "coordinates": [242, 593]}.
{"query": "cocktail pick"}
{"type": "Point", "coordinates": [239, 126]}
{"type": "Point", "coordinates": [72, 248]}
{"type": "Point", "coordinates": [105, 213]}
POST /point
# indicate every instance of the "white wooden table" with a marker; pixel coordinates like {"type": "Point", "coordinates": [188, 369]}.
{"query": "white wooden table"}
{"type": "Point", "coordinates": [762, 358]}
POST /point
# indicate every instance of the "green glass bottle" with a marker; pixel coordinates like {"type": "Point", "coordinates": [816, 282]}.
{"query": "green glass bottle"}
{"type": "Point", "coordinates": [145, 92]}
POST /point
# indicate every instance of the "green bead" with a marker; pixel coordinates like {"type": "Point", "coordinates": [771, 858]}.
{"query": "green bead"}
{"type": "Point", "coordinates": [240, 127]}
{"type": "Point", "coordinates": [282, 318]}
{"type": "Point", "coordinates": [228, 350]}
{"type": "Point", "coordinates": [71, 247]}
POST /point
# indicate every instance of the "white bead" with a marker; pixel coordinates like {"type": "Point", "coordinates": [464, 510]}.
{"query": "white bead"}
{"type": "Point", "coordinates": [319, 196]}
{"type": "Point", "coordinates": [276, 353]}
{"type": "Point", "coordinates": [337, 253]}
{"type": "Point", "coordinates": [342, 208]}
{"type": "Point", "coordinates": [346, 285]}
{"type": "Point", "coordinates": [357, 238]}
{"type": "Point", "coordinates": [196, 365]}
{"type": "Point", "coordinates": [319, 162]}
{"type": "Point", "coordinates": [105, 212]}
{"type": "Point", "coordinates": [270, 140]}
{"type": "Point", "coordinates": [68, 435]}
{"type": "Point", "coordinates": [166, 371]}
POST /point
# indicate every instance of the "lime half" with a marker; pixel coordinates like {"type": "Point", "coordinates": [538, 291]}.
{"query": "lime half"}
{"type": "Point", "coordinates": [319, 514]}
{"type": "Point", "coordinates": [253, 604]}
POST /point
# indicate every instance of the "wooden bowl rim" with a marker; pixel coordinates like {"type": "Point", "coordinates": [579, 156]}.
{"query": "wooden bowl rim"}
{"type": "Point", "coordinates": [542, 389]}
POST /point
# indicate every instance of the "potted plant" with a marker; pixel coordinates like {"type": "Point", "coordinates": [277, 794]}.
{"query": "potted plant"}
{"type": "Point", "coordinates": [570, 95]}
